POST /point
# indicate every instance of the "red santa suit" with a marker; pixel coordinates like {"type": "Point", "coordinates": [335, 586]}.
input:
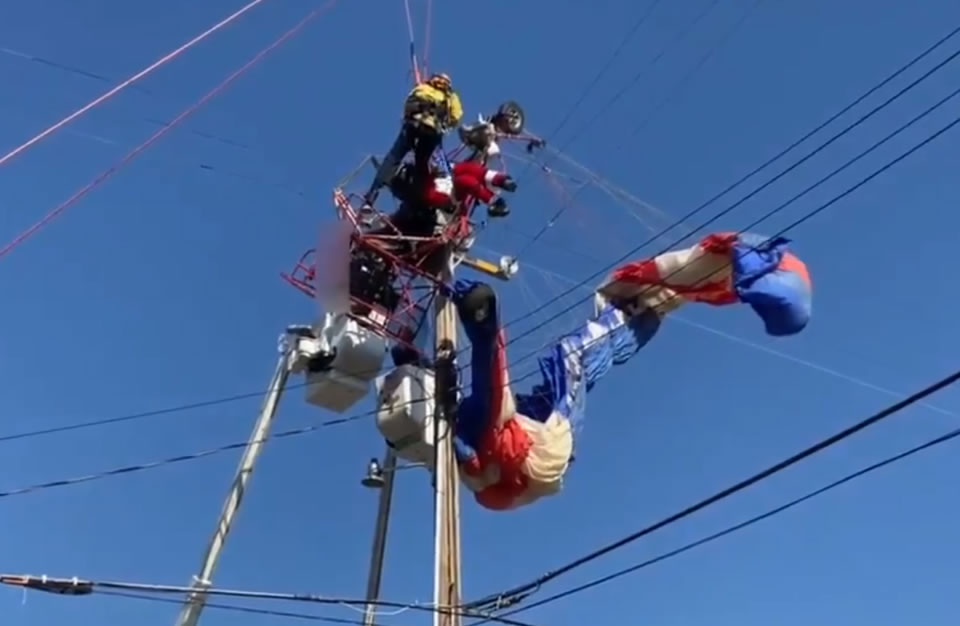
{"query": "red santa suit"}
{"type": "Point", "coordinates": [470, 179]}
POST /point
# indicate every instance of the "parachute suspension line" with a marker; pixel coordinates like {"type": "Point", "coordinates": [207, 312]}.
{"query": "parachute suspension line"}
{"type": "Point", "coordinates": [130, 156]}
{"type": "Point", "coordinates": [806, 216]}
{"type": "Point", "coordinates": [679, 87]}
{"type": "Point", "coordinates": [598, 76]}
{"type": "Point", "coordinates": [428, 28]}
{"type": "Point", "coordinates": [807, 156]}
{"type": "Point", "coordinates": [565, 203]}
{"type": "Point", "coordinates": [417, 76]}
{"type": "Point", "coordinates": [679, 36]}
{"type": "Point", "coordinates": [106, 96]}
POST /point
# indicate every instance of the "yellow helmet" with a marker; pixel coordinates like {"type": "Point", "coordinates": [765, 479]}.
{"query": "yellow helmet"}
{"type": "Point", "coordinates": [441, 81]}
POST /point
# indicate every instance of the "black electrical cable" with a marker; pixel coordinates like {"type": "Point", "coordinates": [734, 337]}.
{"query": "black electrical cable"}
{"type": "Point", "coordinates": [736, 527]}
{"type": "Point", "coordinates": [505, 597]}
{"type": "Point", "coordinates": [242, 609]}
{"type": "Point", "coordinates": [730, 208]}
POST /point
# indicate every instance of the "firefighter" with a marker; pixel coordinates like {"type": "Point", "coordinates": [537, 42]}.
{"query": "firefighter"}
{"type": "Point", "coordinates": [432, 108]}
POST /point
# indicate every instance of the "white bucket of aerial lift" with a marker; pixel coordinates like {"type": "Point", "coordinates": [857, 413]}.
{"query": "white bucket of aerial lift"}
{"type": "Point", "coordinates": [358, 357]}
{"type": "Point", "coordinates": [405, 406]}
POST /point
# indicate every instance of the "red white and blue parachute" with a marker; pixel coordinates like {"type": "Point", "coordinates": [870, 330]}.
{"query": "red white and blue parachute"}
{"type": "Point", "coordinates": [722, 269]}
{"type": "Point", "coordinates": [513, 448]}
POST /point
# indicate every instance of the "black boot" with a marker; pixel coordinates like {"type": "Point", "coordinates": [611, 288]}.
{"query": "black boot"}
{"type": "Point", "coordinates": [498, 208]}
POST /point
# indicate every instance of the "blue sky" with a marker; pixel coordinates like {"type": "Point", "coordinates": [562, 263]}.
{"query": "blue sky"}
{"type": "Point", "coordinates": [162, 287]}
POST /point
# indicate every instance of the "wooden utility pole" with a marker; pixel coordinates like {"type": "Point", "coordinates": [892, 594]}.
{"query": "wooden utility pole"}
{"type": "Point", "coordinates": [446, 591]}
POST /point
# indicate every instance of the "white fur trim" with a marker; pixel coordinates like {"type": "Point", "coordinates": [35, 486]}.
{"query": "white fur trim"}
{"type": "Point", "coordinates": [444, 185]}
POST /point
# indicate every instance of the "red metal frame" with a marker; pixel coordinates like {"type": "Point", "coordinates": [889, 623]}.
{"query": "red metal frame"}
{"type": "Point", "coordinates": [415, 285]}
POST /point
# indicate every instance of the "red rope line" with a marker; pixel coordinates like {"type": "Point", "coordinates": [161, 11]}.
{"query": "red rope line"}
{"type": "Point", "coordinates": [130, 156]}
{"type": "Point", "coordinates": [106, 96]}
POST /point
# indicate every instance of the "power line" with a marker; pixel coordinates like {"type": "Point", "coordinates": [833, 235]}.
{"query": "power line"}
{"type": "Point", "coordinates": [243, 609]}
{"type": "Point", "coordinates": [78, 587]}
{"type": "Point", "coordinates": [730, 208]}
{"type": "Point", "coordinates": [606, 67]}
{"type": "Point", "coordinates": [739, 526]}
{"type": "Point", "coordinates": [678, 37]}
{"type": "Point", "coordinates": [301, 431]}
{"type": "Point", "coordinates": [232, 446]}
{"type": "Point", "coordinates": [628, 37]}
{"type": "Point", "coordinates": [130, 469]}
{"type": "Point", "coordinates": [802, 219]}
{"type": "Point", "coordinates": [519, 592]}
{"type": "Point", "coordinates": [808, 215]}
{"type": "Point", "coordinates": [682, 84]}
{"type": "Point", "coordinates": [140, 415]}
{"type": "Point", "coordinates": [663, 51]}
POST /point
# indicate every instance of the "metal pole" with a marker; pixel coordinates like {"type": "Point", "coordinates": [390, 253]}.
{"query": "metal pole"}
{"type": "Point", "coordinates": [380, 535]}
{"type": "Point", "coordinates": [446, 495]}
{"type": "Point", "coordinates": [191, 612]}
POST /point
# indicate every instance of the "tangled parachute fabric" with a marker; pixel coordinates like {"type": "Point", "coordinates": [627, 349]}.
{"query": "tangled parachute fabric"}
{"type": "Point", "coordinates": [515, 448]}
{"type": "Point", "coordinates": [722, 269]}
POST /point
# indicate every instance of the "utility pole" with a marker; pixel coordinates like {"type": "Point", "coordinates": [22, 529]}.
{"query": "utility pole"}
{"type": "Point", "coordinates": [191, 611]}
{"type": "Point", "coordinates": [380, 536]}
{"type": "Point", "coordinates": [446, 591]}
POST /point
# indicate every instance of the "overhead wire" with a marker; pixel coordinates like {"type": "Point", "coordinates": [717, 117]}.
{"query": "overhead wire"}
{"type": "Point", "coordinates": [123, 85]}
{"type": "Point", "coordinates": [598, 583]}
{"type": "Point", "coordinates": [627, 38]}
{"type": "Point", "coordinates": [850, 190]}
{"type": "Point", "coordinates": [77, 586]}
{"type": "Point", "coordinates": [800, 220]}
{"type": "Point", "coordinates": [129, 417]}
{"type": "Point", "coordinates": [194, 456]}
{"type": "Point", "coordinates": [809, 215]}
{"type": "Point", "coordinates": [300, 431]}
{"type": "Point", "coordinates": [729, 530]}
{"type": "Point", "coordinates": [769, 182]}
{"type": "Point", "coordinates": [245, 609]}
{"type": "Point", "coordinates": [687, 78]}
{"type": "Point", "coordinates": [141, 415]}
{"type": "Point", "coordinates": [520, 335]}
{"type": "Point", "coordinates": [777, 209]}
{"type": "Point", "coordinates": [926, 52]}
{"type": "Point", "coordinates": [761, 347]}
{"type": "Point", "coordinates": [519, 592]}
{"type": "Point", "coordinates": [130, 156]}
{"type": "Point", "coordinates": [680, 35]}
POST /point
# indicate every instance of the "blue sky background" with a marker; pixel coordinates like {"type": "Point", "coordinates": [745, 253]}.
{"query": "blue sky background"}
{"type": "Point", "coordinates": [162, 287]}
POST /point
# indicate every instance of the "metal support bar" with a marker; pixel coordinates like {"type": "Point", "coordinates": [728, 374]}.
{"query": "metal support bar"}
{"type": "Point", "coordinates": [191, 612]}
{"type": "Point", "coordinates": [380, 536]}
